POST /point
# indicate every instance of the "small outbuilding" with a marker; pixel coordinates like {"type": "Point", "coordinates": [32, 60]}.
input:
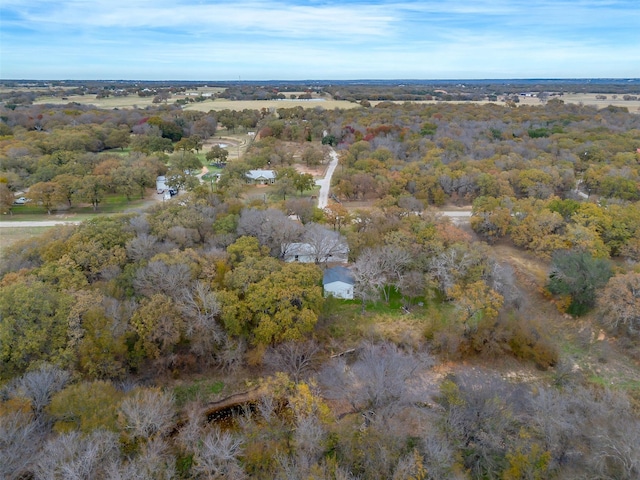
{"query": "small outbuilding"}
{"type": "Point", "coordinates": [161, 184]}
{"type": "Point", "coordinates": [338, 282]}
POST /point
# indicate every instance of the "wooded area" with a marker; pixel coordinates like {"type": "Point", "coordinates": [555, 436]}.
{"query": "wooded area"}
{"type": "Point", "coordinates": [117, 333]}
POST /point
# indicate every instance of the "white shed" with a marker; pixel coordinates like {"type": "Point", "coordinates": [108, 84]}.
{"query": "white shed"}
{"type": "Point", "coordinates": [339, 282]}
{"type": "Point", "coordinates": [161, 184]}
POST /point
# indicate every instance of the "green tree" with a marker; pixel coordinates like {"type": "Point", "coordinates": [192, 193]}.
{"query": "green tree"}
{"type": "Point", "coordinates": [151, 143]}
{"type": "Point", "coordinates": [286, 303]}
{"type": "Point", "coordinates": [33, 326]}
{"type": "Point", "coordinates": [86, 406]}
{"type": "Point", "coordinates": [66, 187]}
{"type": "Point", "coordinates": [183, 170]}
{"type": "Point", "coordinates": [93, 189]}
{"type": "Point", "coordinates": [158, 325]}
{"type": "Point", "coordinates": [6, 197]}
{"type": "Point", "coordinates": [578, 275]}
{"type": "Point", "coordinates": [118, 138]}
{"type": "Point", "coordinates": [44, 194]}
{"type": "Point", "coordinates": [312, 156]}
{"type": "Point", "coordinates": [217, 154]}
{"type": "Point", "coordinates": [303, 181]}
{"type": "Point", "coordinates": [102, 350]}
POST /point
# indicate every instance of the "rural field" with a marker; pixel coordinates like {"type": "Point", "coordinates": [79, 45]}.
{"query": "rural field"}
{"type": "Point", "coordinates": [133, 101]}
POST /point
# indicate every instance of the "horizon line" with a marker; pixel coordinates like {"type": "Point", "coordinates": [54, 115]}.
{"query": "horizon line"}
{"type": "Point", "coordinates": [502, 79]}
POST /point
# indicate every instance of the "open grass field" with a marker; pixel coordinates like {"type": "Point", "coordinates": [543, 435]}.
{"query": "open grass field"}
{"type": "Point", "coordinates": [577, 98]}
{"type": "Point", "coordinates": [10, 236]}
{"type": "Point", "coordinates": [590, 99]}
{"type": "Point", "coordinates": [27, 213]}
{"type": "Point", "coordinates": [222, 104]}
{"type": "Point", "coordinates": [131, 101]}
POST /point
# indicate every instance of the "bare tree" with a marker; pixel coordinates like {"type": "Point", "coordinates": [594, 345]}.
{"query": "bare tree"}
{"type": "Point", "coordinates": [217, 456]}
{"type": "Point", "coordinates": [271, 227]}
{"type": "Point", "coordinates": [76, 457]}
{"type": "Point", "coordinates": [303, 208]}
{"type": "Point", "coordinates": [200, 307]}
{"type": "Point", "coordinates": [159, 277]}
{"type": "Point", "coordinates": [40, 385]}
{"type": "Point", "coordinates": [411, 285]}
{"type": "Point", "coordinates": [620, 303]}
{"type": "Point", "coordinates": [142, 247]}
{"type": "Point", "coordinates": [153, 462]}
{"type": "Point", "coordinates": [368, 273]}
{"type": "Point", "coordinates": [554, 419]}
{"type": "Point", "coordinates": [147, 413]}
{"type": "Point", "coordinates": [309, 437]}
{"type": "Point", "coordinates": [479, 419]}
{"type": "Point", "coordinates": [326, 245]}
{"type": "Point", "coordinates": [191, 431]}
{"type": "Point", "coordinates": [376, 379]}
{"type": "Point", "coordinates": [140, 225]}
{"type": "Point", "coordinates": [394, 262]}
{"type": "Point", "coordinates": [230, 355]}
{"type": "Point", "coordinates": [294, 358]}
{"type": "Point", "coordinates": [20, 438]}
{"type": "Point", "coordinates": [501, 278]}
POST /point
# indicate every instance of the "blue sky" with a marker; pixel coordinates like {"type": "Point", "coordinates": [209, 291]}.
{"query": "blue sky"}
{"type": "Point", "coordinates": [295, 40]}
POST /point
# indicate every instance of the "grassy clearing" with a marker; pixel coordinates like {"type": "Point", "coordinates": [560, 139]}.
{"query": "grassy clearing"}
{"type": "Point", "coordinates": [200, 390]}
{"type": "Point", "coordinates": [342, 320]}
{"type": "Point", "coordinates": [10, 236]}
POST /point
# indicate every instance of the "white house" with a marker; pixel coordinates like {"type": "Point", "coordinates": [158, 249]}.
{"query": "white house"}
{"type": "Point", "coordinates": [298, 252]}
{"type": "Point", "coordinates": [322, 253]}
{"type": "Point", "coordinates": [339, 282]}
{"type": "Point", "coordinates": [261, 177]}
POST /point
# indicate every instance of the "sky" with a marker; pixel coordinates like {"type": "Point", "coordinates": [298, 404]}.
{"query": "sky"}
{"type": "Point", "coordinates": [318, 40]}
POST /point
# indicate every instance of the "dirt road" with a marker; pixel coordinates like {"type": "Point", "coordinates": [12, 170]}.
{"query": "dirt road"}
{"type": "Point", "coordinates": [43, 223]}
{"type": "Point", "coordinates": [325, 183]}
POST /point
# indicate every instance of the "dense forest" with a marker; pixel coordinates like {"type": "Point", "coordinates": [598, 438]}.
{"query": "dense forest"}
{"type": "Point", "coordinates": [125, 340]}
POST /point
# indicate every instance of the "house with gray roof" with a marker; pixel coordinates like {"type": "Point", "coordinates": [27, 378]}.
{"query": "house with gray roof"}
{"type": "Point", "coordinates": [261, 177]}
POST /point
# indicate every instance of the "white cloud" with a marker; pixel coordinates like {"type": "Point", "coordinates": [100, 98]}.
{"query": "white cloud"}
{"type": "Point", "coordinates": [324, 39]}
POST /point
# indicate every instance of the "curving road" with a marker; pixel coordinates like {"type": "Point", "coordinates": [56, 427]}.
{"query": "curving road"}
{"type": "Point", "coordinates": [325, 183]}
